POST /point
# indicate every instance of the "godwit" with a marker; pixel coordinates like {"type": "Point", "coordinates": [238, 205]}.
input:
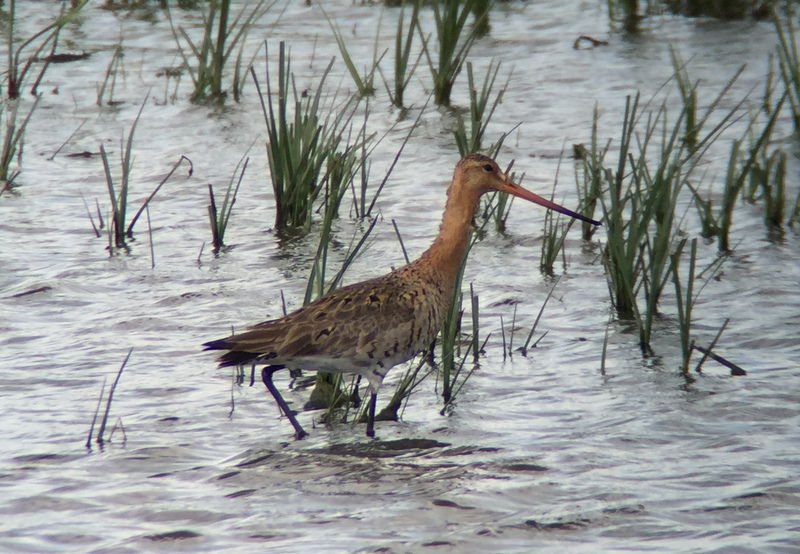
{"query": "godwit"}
{"type": "Point", "coordinates": [369, 327]}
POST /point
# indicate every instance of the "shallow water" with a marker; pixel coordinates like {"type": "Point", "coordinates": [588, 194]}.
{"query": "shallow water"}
{"type": "Point", "coordinates": [541, 453]}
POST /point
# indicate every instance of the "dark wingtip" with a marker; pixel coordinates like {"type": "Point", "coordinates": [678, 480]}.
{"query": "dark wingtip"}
{"type": "Point", "coordinates": [236, 358]}
{"type": "Point", "coordinates": [228, 359]}
{"type": "Point", "coordinates": [220, 344]}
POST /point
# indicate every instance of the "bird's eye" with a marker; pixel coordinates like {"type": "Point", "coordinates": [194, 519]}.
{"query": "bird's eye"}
{"type": "Point", "coordinates": [488, 167]}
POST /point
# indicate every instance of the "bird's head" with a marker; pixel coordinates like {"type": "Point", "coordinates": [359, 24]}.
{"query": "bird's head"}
{"type": "Point", "coordinates": [480, 174]}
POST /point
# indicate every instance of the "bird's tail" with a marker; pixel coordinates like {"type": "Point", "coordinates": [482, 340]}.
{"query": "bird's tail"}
{"type": "Point", "coordinates": [233, 357]}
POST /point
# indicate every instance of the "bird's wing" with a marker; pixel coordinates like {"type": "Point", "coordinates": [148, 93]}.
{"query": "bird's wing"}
{"type": "Point", "coordinates": [358, 324]}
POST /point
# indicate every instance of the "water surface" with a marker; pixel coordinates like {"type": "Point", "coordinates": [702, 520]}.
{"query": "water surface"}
{"type": "Point", "coordinates": [541, 453]}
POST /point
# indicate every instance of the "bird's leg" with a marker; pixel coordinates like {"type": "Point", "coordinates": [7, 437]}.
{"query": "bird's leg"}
{"type": "Point", "coordinates": [266, 376]}
{"type": "Point", "coordinates": [355, 398]}
{"type": "Point", "coordinates": [430, 353]}
{"type": "Point", "coordinates": [373, 399]}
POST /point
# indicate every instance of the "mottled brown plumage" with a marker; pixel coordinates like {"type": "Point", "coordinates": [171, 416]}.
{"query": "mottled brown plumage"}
{"type": "Point", "coordinates": [369, 327]}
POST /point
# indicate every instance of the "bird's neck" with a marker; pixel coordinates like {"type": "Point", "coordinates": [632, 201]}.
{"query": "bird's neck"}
{"type": "Point", "coordinates": [447, 251]}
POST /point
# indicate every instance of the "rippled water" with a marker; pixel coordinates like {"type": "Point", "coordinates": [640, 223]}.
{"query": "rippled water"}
{"type": "Point", "coordinates": [541, 453]}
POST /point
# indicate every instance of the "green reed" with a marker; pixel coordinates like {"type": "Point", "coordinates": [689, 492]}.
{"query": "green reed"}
{"type": "Point", "coordinates": [789, 64]}
{"type": "Point", "coordinates": [110, 79]}
{"type": "Point", "coordinates": [590, 185]}
{"type": "Point", "coordinates": [19, 62]}
{"type": "Point", "coordinates": [219, 219]}
{"type": "Point", "coordinates": [454, 41]}
{"type": "Point", "coordinates": [220, 40]}
{"type": "Point", "coordinates": [527, 345]}
{"type": "Point", "coordinates": [738, 173]}
{"type": "Point", "coordinates": [328, 391]}
{"type": "Point", "coordinates": [118, 230]}
{"type": "Point", "coordinates": [470, 141]}
{"type": "Point", "coordinates": [364, 83]}
{"type": "Point", "coordinates": [553, 236]}
{"type": "Point", "coordinates": [12, 138]}
{"type": "Point", "coordinates": [301, 139]}
{"type": "Point", "coordinates": [685, 298]}
{"type": "Point", "coordinates": [317, 283]}
{"type": "Point", "coordinates": [771, 179]}
{"type": "Point", "coordinates": [554, 233]}
{"type": "Point", "coordinates": [100, 440]}
{"type": "Point", "coordinates": [406, 386]}
{"type": "Point", "coordinates": [362, 210]}
{"type": "Point", "coordinates": [688, 92]}
{"type": "Point", "coordinates": [404, 39]}
{"type": "Point", "coordinates": [794, 218]}
{"type": "Point", "coordinates": [640, 206]}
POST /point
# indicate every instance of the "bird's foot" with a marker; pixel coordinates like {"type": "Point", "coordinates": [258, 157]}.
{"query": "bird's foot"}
{"type": "Point", "coordinates": [299, 434]}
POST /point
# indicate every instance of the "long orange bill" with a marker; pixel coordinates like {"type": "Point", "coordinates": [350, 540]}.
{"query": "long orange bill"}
{"type": "Point", "coordinates": [512, 188]}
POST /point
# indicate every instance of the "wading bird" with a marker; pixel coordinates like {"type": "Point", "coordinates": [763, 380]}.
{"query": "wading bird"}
{"type": "Point", "coordinates": [369, 327]}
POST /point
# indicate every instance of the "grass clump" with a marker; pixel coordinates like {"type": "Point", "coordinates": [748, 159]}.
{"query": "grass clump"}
{"type": "Point", "coordinates": [740, 170]}
{"type": "Point", "coordinates": [221, 37]}
{"type": "Point", "coordinates": [301, 141]}
{"type": "Point", "coordinates": [454, 41]}
{"type": "Point", "coordinates": [404, 39]}
{"type": "Point", "coordinates": [641, 202]}
{"type": "Point", "coordinates": [119, 230]}
{"type": "Point", "coordinates": [471, 141]}
{"type": "Point", "coordinates": [19, 62]}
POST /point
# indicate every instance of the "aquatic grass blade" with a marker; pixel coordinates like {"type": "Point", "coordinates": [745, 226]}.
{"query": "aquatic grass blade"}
{"type": "Point", "coordinates": [101, 432]}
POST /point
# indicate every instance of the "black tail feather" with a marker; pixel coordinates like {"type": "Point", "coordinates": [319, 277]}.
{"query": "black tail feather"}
{"type": "Point", "coordinates": [220, 344]}
{"type": "Point", "coordinates": [237, 357]}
